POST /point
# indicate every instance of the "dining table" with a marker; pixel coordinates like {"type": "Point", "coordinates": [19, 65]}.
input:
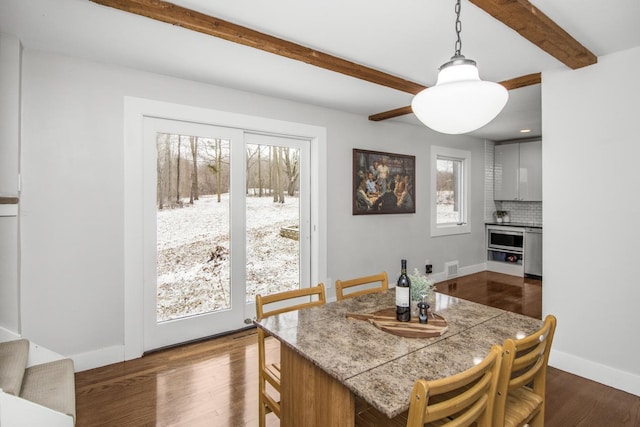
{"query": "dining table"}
{"type": "Point", "coordinates": [328, 357]}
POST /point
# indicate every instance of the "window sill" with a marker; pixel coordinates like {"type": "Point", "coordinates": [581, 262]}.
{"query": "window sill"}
{"type": "Point", "coordinates": [449, 230]}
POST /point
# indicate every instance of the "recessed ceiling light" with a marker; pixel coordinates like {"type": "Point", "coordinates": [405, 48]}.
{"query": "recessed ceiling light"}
{"type": "Point", "coordinates": [525, 130]}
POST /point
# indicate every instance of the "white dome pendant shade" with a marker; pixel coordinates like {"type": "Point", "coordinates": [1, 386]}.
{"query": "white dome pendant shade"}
{"type": "Point", "coordinates": [459, 102]}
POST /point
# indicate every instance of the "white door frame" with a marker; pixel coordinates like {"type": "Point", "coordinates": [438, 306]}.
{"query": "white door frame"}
{"type": "Point", "coordinates": [135, 109]}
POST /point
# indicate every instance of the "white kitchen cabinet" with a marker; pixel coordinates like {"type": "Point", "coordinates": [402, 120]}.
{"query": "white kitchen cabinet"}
{"type": "Point", "coordinates": [518, 171]}
{"type": "Point", "coordinates": [530, 172]}
{"type": "Point", "coordinates": [505, 172]}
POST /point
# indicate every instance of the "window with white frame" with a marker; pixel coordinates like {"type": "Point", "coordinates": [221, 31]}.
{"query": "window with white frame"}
{"type": "Point", "coordinates": [450, 170]}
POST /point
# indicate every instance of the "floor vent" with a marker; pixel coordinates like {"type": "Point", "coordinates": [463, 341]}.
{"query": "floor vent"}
{"type": "Point", "coordinates": [451, 268]}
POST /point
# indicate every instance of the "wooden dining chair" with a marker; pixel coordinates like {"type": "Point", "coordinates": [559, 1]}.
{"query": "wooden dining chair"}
{"type": "Point", "coordinates": [341, 285]}
{"type": "Point", "coordinates": [269, 373]}
{"type": "Point", "coordinates": [521, 388]}
{"type": "Point", "coordinates": [459, 400]}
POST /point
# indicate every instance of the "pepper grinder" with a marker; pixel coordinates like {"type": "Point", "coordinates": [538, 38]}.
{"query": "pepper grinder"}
{"type": "Point", "coordinates": [423, 310]}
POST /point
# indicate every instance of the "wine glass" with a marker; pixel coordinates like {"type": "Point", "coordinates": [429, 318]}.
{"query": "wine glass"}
{"type": "Point", "coordinates": [423, 295]}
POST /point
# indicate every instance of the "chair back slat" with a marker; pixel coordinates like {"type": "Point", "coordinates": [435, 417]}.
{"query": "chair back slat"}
{"type": "Point", "coordinates": [342, 285]}
{"type": "Point", "coordinates": [529, 356]}
{"type": "Point", "coordinates": [524, 363]}
{"type": "Point", "coordinates": [269, 372]}
{"type": "Point", "coordinates": [466, 399]}
{"type": "Point", "coordinates": [527, 376]}
{"type": "Point", "coordinates": [459, 400]}
{"type": "Point", "coordinates": [262, 301]}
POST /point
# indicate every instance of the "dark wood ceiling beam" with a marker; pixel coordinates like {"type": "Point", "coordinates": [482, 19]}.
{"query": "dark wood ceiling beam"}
{"type": "Point", "coordinates": [522, 81]}
{"type": "Point", "coordinates": [519, 15]}
{"type": "Point", "coordinates": [196, 21]}
{"type": "Point", "coordinates": [402, 111]}
{"type": "Point", "coordinates": [539, 29]}
{"type": "Point", "coordinates": [515, 83]}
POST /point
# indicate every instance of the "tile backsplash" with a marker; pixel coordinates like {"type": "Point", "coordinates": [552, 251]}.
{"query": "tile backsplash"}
{"type": "Point", "coordinates": [523, 212]}
{"type": "Point", "coordinates": [489, 204]}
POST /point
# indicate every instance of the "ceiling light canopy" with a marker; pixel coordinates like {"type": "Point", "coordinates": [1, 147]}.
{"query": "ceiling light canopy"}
{"type": "Point", "coordinates": [459, 102]}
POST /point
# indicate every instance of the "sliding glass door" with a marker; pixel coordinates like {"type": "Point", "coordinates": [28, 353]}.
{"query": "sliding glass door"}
{"type": "Point", "coordinates": [226, 218]}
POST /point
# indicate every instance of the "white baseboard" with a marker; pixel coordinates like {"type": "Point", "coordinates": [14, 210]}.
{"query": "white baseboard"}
{"type": "Point", "coordinates": [442, 276]}
{"type": "Point", "coordinates": [97, 358]}
{"type": "Point", "coordinates": [603, 374]}
{"type": "Point", "coordinates": [462, 271]}
{"type": "Point", "coordinates": [437, 277]}
{"type": "Point", "coordinates": [81, 362]}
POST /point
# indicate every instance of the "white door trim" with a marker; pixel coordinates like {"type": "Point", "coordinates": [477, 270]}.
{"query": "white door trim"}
{"type": "Point", "coordinates": [135, 109]}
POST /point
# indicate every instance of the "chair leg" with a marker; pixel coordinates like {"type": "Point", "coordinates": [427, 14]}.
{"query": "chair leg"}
{"type": "Point", "coordinates": [263, 415]}
{"type": "Point", "coordinates": [538, 420]}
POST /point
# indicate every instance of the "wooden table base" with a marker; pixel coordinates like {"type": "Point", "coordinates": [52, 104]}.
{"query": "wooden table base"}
{"type": "Point", "coordinates": [310, 397]}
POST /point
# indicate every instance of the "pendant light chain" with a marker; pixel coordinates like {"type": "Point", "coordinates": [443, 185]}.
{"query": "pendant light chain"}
{"type": "Point", "coordinates": [458, 29]}
{"type": "Point", "coordinates": [459, 102]}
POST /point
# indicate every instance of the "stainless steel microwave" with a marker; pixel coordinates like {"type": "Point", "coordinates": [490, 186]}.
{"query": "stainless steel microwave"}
{"type": "Point", "coordinates": [505, 239]}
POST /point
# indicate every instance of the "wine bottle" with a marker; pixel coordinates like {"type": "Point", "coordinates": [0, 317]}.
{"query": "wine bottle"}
{"type": "Point", "coordinates": [403, 295]}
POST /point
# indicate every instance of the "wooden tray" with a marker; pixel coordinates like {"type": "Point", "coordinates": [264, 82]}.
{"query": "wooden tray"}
{"type": "Point", "coordinates": [385, 320]}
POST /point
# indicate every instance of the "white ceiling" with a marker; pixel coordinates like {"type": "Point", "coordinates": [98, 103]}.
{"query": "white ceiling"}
{"type": "Point", "coordinates": [407, 38]}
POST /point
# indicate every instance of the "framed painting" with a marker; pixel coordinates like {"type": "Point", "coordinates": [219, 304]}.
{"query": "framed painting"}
{"type": "Point", "coordinates": [383, 183]}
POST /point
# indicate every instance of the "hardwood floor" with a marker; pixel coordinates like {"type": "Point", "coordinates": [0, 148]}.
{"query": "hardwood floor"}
{"type": "Point", "coordinates": [209, 383]}
{"type": "Point", "coordinates": [214, 382]}
{"type": "Point", "coordinates": [516, 294]}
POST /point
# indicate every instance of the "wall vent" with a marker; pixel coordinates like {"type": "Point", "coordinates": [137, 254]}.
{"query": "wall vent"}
{"type": "Point", "coordinates": [451, 268]}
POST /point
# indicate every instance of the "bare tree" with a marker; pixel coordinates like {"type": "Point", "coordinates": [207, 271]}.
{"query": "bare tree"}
{"type": "Point", "coordinates": [249, 164]}
{"type": "Point", "coordinates": [278, 194]}
{"type": "Point", "coordinates": [219, 168]}
{"type": "Point", "coordinates": [167, 168]}
{"type": "Point", "coordinates": [214, 154]}
{"type": "Point", "coordinates": [159, 170]}
{"type": "Point", "coordinates": [270, 171]}
{"type": "Point", "coordinates": [193, 143]}
{"type": "Point", "coordinates": [292, 169]}
{"type": "Point", "coordinates": [259, 171]}
{"type": "Point", "coordinates": [178, 172]}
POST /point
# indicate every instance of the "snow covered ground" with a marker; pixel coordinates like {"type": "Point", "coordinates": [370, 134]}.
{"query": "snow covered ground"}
{"type": "Point", "coordinates": [193, 265]}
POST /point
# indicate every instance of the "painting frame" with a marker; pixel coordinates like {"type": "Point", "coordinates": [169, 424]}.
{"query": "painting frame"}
{"type": "Point", "coordinates": [393, 188]}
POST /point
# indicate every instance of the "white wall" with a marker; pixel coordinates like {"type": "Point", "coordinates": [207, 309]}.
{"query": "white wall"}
{"type": "Point", "coordinates": [591, 186]}
{"type": "Point", "coordinates": [72, 201]}
{"type": "Point", "coordinates": [362, 244]}
{"type": "Point", "coordinates": [10, 51]}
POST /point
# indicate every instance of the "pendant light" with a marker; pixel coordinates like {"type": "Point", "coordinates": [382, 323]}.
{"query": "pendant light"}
{"type": "Point", "coordinates": [459, 102]}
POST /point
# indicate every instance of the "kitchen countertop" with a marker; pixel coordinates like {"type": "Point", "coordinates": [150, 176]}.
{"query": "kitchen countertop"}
{"type": "Point", "coordinates": [515, 224]}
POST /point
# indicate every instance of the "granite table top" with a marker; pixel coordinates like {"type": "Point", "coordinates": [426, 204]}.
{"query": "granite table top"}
{"type": "Point", "coordinates": [381, 368]}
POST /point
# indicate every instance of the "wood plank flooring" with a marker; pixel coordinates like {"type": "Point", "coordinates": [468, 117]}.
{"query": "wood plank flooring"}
{"type": "Point", "coordinates": [214, 382]}
{"type": "Point", "coordinates": [511, 293]}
